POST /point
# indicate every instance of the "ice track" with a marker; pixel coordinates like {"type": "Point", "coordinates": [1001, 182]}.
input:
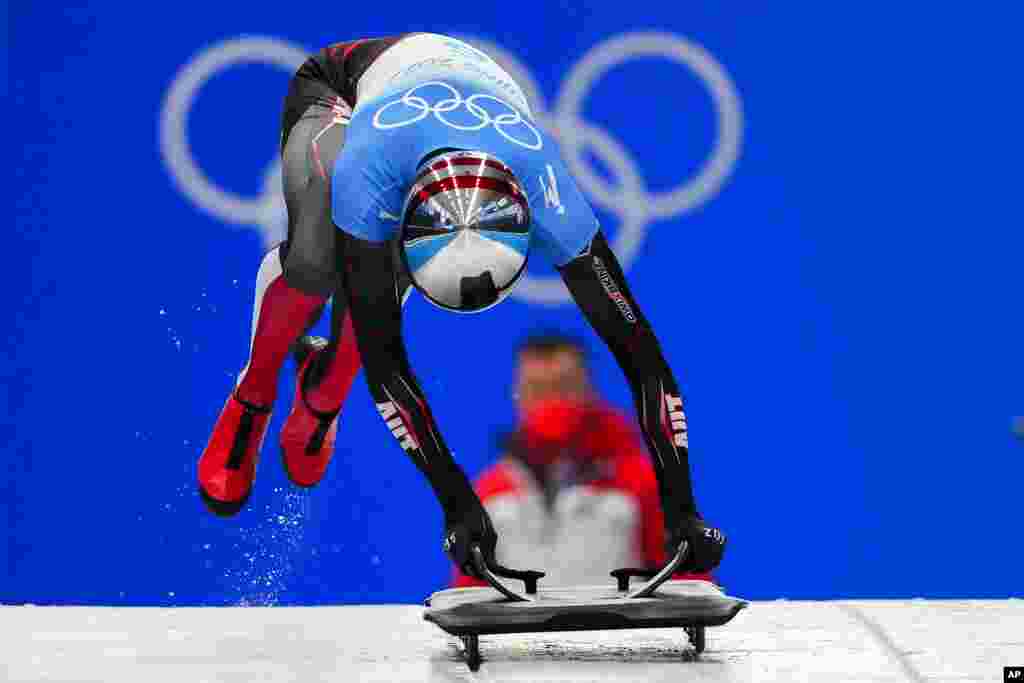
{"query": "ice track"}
{"type": "Point", "coordinates": [770, 641]}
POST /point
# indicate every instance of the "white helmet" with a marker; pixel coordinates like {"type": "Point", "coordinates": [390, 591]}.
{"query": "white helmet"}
{"type": "Point", "coordinates": [465, 231]}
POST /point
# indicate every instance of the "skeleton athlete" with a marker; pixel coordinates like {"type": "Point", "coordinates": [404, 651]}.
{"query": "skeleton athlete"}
{"type": "Point", "coordinates": [415, 160]}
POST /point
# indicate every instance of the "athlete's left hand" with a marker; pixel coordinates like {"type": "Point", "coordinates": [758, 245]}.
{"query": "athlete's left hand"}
{"type": "Point", "coordinates": [464, 529]}
{"type": "Point", "coordinates": [707, 544]}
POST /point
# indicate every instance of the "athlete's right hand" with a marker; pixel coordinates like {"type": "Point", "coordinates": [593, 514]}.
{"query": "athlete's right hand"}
{"type": "Point", "coordinates": [706, 544]}
{"type": "Point", "coordinates": [467, 528]}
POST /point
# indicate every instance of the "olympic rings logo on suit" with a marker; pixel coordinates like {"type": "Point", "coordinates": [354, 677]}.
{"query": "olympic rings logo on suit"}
{"type": "Point", "coordinates": [624, 195]}
{"type": "Point", "coordinates": [422, 109]}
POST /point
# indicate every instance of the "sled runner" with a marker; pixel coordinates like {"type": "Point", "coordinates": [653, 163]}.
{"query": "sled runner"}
{"type": "Point", "coordinates": [661, 602]}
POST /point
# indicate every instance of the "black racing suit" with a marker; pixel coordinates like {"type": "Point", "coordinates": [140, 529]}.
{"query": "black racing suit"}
{"type": "Point", "coordinates": [366, 276]}
{"type": "Point", "coordinates": [317, 108]}
{"type": "Point", "coordinates": [329, 76]}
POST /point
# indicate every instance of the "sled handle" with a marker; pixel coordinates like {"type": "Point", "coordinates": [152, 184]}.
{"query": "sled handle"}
{"type": "Point", "coordinates": [622, 576]}
{"type": "Point", "coordinates": [661, 577]}
{"type": "Point", "coordinates": [528, 577]}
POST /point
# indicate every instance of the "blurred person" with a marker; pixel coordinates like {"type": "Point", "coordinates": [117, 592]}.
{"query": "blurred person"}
{"type": "Point", "coordinates": [575, 491]}
{"type": "Point", "coordinates": [423, 140]}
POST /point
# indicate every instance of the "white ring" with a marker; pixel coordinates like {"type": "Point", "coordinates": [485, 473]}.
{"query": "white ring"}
{"type": "Point", "coordinates": [729, 117]}
{"type": "Point", "coordinates": [178, 102]}
{"type": "Point", "coordinates": [414, 102]}
{"type": "Point", "coordinates": [515, 120]}
{"type": "Point", "coordinates": [484, 118]}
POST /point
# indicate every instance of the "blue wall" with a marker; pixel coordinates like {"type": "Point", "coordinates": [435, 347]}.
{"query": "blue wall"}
{"type": "Point", "coordinates": [844, 312]}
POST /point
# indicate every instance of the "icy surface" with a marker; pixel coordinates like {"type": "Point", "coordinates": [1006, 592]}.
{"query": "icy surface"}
{"type": "Point", "coordinates": [769, 641]}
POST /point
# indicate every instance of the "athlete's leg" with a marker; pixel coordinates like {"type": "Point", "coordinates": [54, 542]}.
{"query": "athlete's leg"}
{"type": "Point", "coordinates": [294, 281]}
{"type": "Point", "coordinates": [301, 275]}
{"type": "Point", "coordinates": [326, 381]}
{"type": "Point", "coordinates": [280, 314]}
{"type": "Point", "coordinates": [326, 371]}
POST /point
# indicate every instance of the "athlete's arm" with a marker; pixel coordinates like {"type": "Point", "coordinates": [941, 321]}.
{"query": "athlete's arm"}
{"type": "Point", "coordinates": [596, 282]}
{"type": "Point", "coordinates": [375, 303]}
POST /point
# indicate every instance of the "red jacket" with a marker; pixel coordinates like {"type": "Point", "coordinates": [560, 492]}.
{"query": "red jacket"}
{"type": "Point", "coordinates": [575, 496]}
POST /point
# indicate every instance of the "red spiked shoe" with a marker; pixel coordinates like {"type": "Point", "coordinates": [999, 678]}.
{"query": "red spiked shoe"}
{"type": "Point", "coordinates": [308, 435]}
{"type": "Point", "coordinates": [227, 467]}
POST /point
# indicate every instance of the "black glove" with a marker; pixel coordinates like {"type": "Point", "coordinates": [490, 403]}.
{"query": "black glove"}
{"type": "Point", "coordinates": [707, 544]}
{"type": "Point", "coordinates": [467, 528]}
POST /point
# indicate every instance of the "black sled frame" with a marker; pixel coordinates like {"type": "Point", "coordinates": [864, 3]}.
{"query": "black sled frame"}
{"type": "Point", "coordinates": [586, 609]}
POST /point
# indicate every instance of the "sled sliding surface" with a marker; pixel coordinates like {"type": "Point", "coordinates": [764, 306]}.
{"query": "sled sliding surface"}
{"type": "Point", "coordinates": [469, 613]}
